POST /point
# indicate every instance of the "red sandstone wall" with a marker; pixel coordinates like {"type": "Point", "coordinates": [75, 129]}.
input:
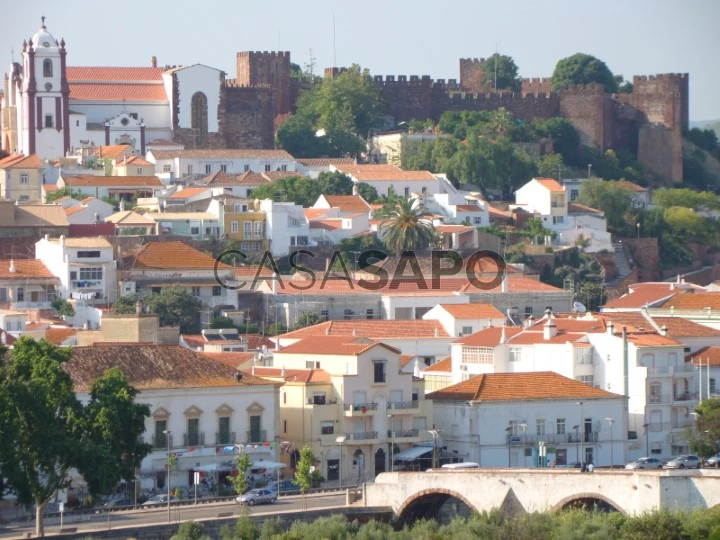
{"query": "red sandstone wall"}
{"type": "Point", "coordinates": [267, 68]}
{"type": "Point", "coordinates": [248, 117]}
{"type": "Point", "coordinates": [585, 106]}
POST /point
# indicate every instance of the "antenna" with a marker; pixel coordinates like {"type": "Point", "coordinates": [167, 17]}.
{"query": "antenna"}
{"type": "Point", "coordinates": [496, 59]}
{"type": "Point", "coordinates": [334, 47]}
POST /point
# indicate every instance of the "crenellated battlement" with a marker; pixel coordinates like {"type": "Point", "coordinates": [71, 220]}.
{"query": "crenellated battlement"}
{"type": "Point", "coordinates": [510, 97]}
{"type": "Point", "coordinates": [660, 77]}
{"type": "Point", "coordinates": [231, 83]}
{"type": "Point", "coordinates": [590, 88]}
{"type": "Point", "coordinates": [268, 54]}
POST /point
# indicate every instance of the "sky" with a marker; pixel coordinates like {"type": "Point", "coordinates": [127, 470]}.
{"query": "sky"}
{"type": "Point", "coordinates": [398, 37]}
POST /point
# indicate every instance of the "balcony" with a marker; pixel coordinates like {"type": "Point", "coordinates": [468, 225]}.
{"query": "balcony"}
{"type": "Point", "coordinates": [194, 439]}
{"type": "Point", "coordinates": [225, 437]}
{"type": "Point", "coordinates": [256, 436]}
{"type": "Point", "coordinates": [656, 399]}
{"type": "Point", "coordinates": [403, 405]}
{"type": "Point", "coordinates": [359, 409]}
{"type": "Point", "coordinates": [404, 435]}
{"type": "Point", "coordinates": [685, 396]}
{"type": "Point", "coordinates": [364, 436]}
{"type": "Point", "coordinates": [681, 423]}
{"type": "Point", "coordinates": [532, 439]}
{"type": "Point", "coordinates": [87, 284]}
{"type": "Point", "coordinates": [161, 441]}
{"type": "Point", "coordinates": [662, 371]}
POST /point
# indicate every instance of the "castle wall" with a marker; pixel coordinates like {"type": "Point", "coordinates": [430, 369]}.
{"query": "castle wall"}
{"type": "Point", "coordinates": [267, 68]}
{"type": "Point", "coordinates": [471, 75]}
{"type": "Point", "coordinates": [586, 107]}
{"type": "Point", "coordinates": [536, 86]}
{"type": "Point", "coordinates": [660, 152]}
{"type": "Point", "coordinates": [247, 116]}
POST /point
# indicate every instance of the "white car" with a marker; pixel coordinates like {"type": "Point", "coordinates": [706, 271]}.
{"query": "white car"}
{"type": "Point", "coordinates": [645, 463]}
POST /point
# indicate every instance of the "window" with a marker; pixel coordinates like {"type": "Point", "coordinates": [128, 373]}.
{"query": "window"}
{"type": "Point", "coordinates": [712, 386]}
{"type": "Point", "coordinates": [255, 434]}
{"type": "Point", "coordinates": [415, 394]}
{"type": "Point", "coordinates": [196, 291]}
{"type": "Point", "coordinates": [477, 220]}
{"type": "Point", "coordinates": [574, 193]}
{"type": "Point", "coordinates": [155, 290]}
{"type": "Point", "coordinates": [246, 168]}
{"type": "Point", "coordinates": [160, 437]}
{"type": "Point", "coordinates": [91, 274]}
{"type": "Point", "coordinates": [528, 311]}
{"type": "Point", "coordinates": [234, 226]}
{"type": "Point", "coordinates": [194, 230]}
{"type": "Point", "coordinates": [312, 364]}
{"type": "Point", "coordinates": [348, 314]}
{"type": "Point", "coordinates": [561, 456]}
{"type": "Point", "coordinates": [558, 219]}
{"type": "Point", "coordinates": [47, 68]}
{"type": "Point", "coordinates": [77, 123]}
{"type": "Point", "coordinates": [208, 168]}
{"type": "Point", "coordinates": [379, 371]}
{"type": "Point", "coordinates": [88, 254]}
{"type": "Point", "coordinates": [583, 355]}
{"type": "Point", "coordinates": [540, 426]}
{"type": "Point", "coordinates": [199, 117]}
{"type": "Point", "coordinates": [327, 427]}
{"type": "Point", "coordinates": [267, 168]}
{"type": "Point", "coordinates": [587, 379]}
{"type": "Point", "coordinates": [515, 354]}
{"type": "Point", "coordinates": [24, 178]}
{"type": "Point", "coordinates": [324, 314]}
{"type": "Point", "coordinates": [283, 167]}
{"type": "Point", "coordinates": [3, 294]}
{"type": "Point", "coordinates": [319, 398]}
{"type": "Point", "coordinates": [369, 313]}
{"type": "Point", "coordinates": [407, 191]}
{"type": "Point", "coordinates": [193, 432]}
{"type": "Point", "coordinates": [560, 426]}
{"type": "Point", "coordinates": [477, 355]}
{"type": "Point", "coordinates": [217, 290]}
{"type": "Point", "coordinates": [189, 169]}
{"type": "Point", "coordinates": [223, 167]}
{"type": "Point", "coordinates": [284, 397]}
{"type": "Point", "coordinates": [48, 121]}
{"type": "Point", "coordinates": [167, 168]}
{"type": "Point", "coordinates": [247, 229]}
{"type": "Point", "coordinates": [258, 229]}
{"type": "Point", "coordinates": [466, 331]}
{"type": "Point", "coordinates": [24, 198]}
{"type": "Point", "coordinates": [284, 426]}
{"type": "Point", "coordinates": [224, 430]}
{"type": "Point", "coordinates": [655, 393]}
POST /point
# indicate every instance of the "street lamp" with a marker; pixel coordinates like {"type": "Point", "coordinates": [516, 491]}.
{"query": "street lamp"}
{"type": "Point", "coordinates": [508, 430]}
{"type": "Point", "coordinates": [167, 433]}
{"type": "Point", "coordinates": [523, 426]}
{"type": "Point", "coordinates": [647, 446]}
{"type": "Point", "coordinates": [340, 440]}
{"type": "Point", "coordinates": [589, 170]}
{"type": "Point", "coordinates": [611, 421]}
{"type": "Point", "coordinates": [582, 436]}
{"type": "Point", "coordinates": [638, 229]}
{"type": "Point", "coordinates": [435, 434]}
{"type": "Point", "coordinates": [392, 442]}
{"type": "Point", "coordinates": [577, 444]}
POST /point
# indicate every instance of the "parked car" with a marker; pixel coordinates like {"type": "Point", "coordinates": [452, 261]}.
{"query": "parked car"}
{"type": "Point", "coordinates": [114, 504]}
{"type": "Point", "coordinates": [713, 461]}
{"type": "Point", "coordinates": [685, 461]}
{"type": "Point", "coordinates": [257, 496]}
{"type": "Point", "coordinates": [645, 463]}
{"type": "Point", "coordinates": [285, 486]}
{"type": "Point", "coordinates": [160, 499]}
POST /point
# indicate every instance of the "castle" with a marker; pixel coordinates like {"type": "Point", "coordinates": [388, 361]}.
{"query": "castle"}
{"type": "Point", "coordinates": [49, 108]}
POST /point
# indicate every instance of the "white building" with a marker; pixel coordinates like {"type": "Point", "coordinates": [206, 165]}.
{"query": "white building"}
{"type": "Point", "coordinates": [210, 411]}
{"type": "Point", "coordinates": [508, 419]}
{"type": "Point", "coordinates": [286, 226]}
{"type": "Point", "coordinates": [26, 283]}
{"type": "Point", "coordinates": [86, 267]}
{"type": "Point", "coordinates": [385, 178]}
{"type": "Point", "coordinates": [465, 319]}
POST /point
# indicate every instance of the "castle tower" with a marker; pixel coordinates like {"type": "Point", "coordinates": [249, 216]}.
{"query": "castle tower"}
{"type": "Point", "coordinates": [42, 106]}
{"type": "Point", "coordinates": [255, 68]}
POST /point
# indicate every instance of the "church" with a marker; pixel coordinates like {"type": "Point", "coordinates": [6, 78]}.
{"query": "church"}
{"type": "Point", "coordinates": [52, 109]}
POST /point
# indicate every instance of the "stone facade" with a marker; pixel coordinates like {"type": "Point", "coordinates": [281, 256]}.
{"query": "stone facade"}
{"type": "Point", "coordinates": [255, 68]}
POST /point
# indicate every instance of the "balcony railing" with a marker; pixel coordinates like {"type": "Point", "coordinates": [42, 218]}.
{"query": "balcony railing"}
{"type": "Point", "coordinates": [194, 439]}
{"type": "Point", "coordinates": [161, 441]}
{"type": "Point", "coordinates": [258, 436]}
{"type": "Point", "coordinates": [656, 371]}
{"type": "Point", "coordinates": [401, 433]}
{"type": "Point", "coordinates": [225, 437]}
{"type": "Point", "coordinates": [682, 424]}
{"type": "Point", "coordinates": [404, 404]}
{"type": "Point", "coordinates": [550, 438]}
{"type": "Point", "coordinates": [658, 398]}
{"type": "Point", "coordinates": [362, 435]}
{"type": "Point", "coordinates": [685, 396]}
{"type": "Point", "coordinates": [360, 407]}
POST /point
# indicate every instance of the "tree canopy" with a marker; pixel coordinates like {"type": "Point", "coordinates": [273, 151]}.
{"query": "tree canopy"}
{"type": "Point", "coordinates": [705, 438]}
{"type": "Point", "coordinates": [174, 305]}
{"type": "Point", "coordinates": [689, 198]}
{"type": "Point", "coordinates": [46, 430]}
{"type": "Point", "coordinates": [505, 69]}
{"type": "Point", "coordinates": [613, 198]}
{"type": "Point", "coordinates": [308, 318]}
{"type": "Point", "coordinates": [409, 228]}
{"type": "Point", "coordinates": [304, 190]}
{"type": "Point", "coordinates": [583, 69]}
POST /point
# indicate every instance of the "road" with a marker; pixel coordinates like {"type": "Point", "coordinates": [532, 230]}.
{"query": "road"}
{"type": "Point", "coordinates": [88, 523]}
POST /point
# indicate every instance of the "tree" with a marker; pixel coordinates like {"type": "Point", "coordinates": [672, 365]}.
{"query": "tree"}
{"type": "Point", "coordinates": [242, 464]}
{"type": "Point", "coordinates": [301, 190]}
{"type": "Point", "coordinates": [176, 307]}
{"type": "Point", "coordinates": [303, 474]}
{"type": "Point", "coordinates": [335, 183]}
{"type": "Point", "coordinates": [684, 222]}
{"type": "Point", "coordinates": [64, 192]}
{"type": "Point", "coordinates": [46, 431]}
{"type": "Point", "coordinates": [409, 228]}
{"type": "Point", "coordinates": [583, 69]}
{"type": "Point", "coordinates": [504, 68]}
{"type": "Point", "coordinates": [705, 438]}
{"type": "Point", "coordinates": [126, 305]}
{"type": "Point", "coordinates": [276, 328]}
{"type": "Point", "coordinates": [308, 318]}
{"type": "Point", "coordinates": [689, 198]}
{"type": "Point", "coordinates": [551, 166]}
{"type": "Point", "coordinates": [611, 197]}
{"type": "Point", "coordinates": [299, 138]}
{"type": "Point", "coordinates": [367, 192]}
{"type": "Point", "coordinates": [222, 321]}
{"type": "Point", "coordinates": [62, 307]}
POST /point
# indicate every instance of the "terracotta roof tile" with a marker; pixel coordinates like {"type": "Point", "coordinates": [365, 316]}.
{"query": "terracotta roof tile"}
{"type": "Point", "coordinates": [303, 376]}
{"type": "Point", "coordinates": [152, 367]}
{"type": "Point", "coordinates": [329, 224]}
{"type": "Point", "coordinates": [702, 356]}
{"type": "Point", "coordinates": [109, 73]}
{"type": "Point", "coordinates": [57, 336]}
{"type": "Point", "coordinates": [176, 254]}
{"type": "Point", "coordinates": [40, 215]}
{"type": "Point", "coordinates": [442, 366]}
{"type": "Point", "coordinates": [551, 184]}
{"type": "Point", "coordinates": [577, 208]}
{"type": "Point", "coordinates": [112, 181]}
{"type": "Point", "coordinates": [235, 360]}
{"type": "Point", "coordinates": [332, 345]}
{"type": "Point", "coordinates": [138, 161]}
{"type": "Point", "coordinates": [647, 294]}
{"type": "Point", "coordinates": [373, 329]}
{"type": "Point", "coordinates": [488, 337]}
{"type": "Point", "coordinates": [349, 203]}
{"type": "Point", "coordinates": [325, 162]}
{"type": "Point", "coordinates": [676, 326]}
{"type": "Point", "coordinates": [468, 208]}
{"type": "Point", "coordinates": [697, 300]}
{"type": "Point", "coordinates": [24, 269]}
{"type": "Point", "coordinates": [236, 153]}
{"type": "Point", "coordinates": [383, 173]}
{"type": "Point", "coordinates": [315, 213]}
{"type": "Point", "coordinates": [129, 217]}
{"type": "Point", "coordinates": [21, 161]}
{"type": "Point", "coordinates": [473, 311]}
{"type": "Point", "coordinates": [652, 340]}
{"type": "Point", "coordinates": [631, 187]}
{"type": "Point", "coordinates": [80, 242]}
{"type": "Point", "coordinates": [454, 229]}
{"type": "Point", "coordinates": [117, 92]}
{"type": "Point", "coordinates": [112, 151]}
{"type": "Point", "coordinates": [540, 385]}
{"type": "Point", "coordinates": [592, 325]}
{"type": "Point", "coordinates": [73, 210]}
{"type": "Point", "coordinates": [186, 193]}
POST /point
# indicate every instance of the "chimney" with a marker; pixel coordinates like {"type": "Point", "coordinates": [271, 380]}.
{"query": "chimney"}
{"type": "Point", "coordinates": [282, 372]}
{"type": "Point", "coordinates": [503, 335]}
{"type": "Point", "coordinates": [47, 237]}
{"type": "Point", "coordinates": [62, 241]}
{"type": "Point", "coordinates": [504, 286]}
{"type": "Point", "coordinates": [664, 330]}
{"type": "Point", "coordinates": [327, 266]}
{"type": "Point", "coordinates": [611, 329]}
{"type": "Point", "coordinates": [355, 190]}
{"type": "Point", "coordinates": [549, 329]}
{"type": "Point", "coordinates": [253, 369]}
{"type": "Point", "coordinates": [153, 61]}
{"type": "Point", "coordinates": [138, 308]}
{"type": "Point", "coordinates": [12, 266]}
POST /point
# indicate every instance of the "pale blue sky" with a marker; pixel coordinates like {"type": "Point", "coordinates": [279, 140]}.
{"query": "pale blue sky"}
{"type": "Point", "coordinates": [389, 37]}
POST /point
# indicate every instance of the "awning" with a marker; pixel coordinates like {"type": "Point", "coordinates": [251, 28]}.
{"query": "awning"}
{"type": "Point", "coordinates": [260, 464]}
{"type": "Point", "coordinates": [412, 453]}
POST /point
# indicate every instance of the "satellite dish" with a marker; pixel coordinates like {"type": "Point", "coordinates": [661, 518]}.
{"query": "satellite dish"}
{"type": "Point", "coordinates": [579, 307]}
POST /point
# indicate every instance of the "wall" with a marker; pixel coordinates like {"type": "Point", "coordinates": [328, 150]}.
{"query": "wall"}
{"type": "Point", "coordinates": [267, 68]}
{"type": "Point", "coordinates": [247, 116]}
{"type": "Point", "coordinates": [586, 107]}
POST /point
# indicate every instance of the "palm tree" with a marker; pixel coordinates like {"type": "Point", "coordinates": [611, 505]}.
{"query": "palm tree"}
{"type": "Point", "coordinates": [409, 228]}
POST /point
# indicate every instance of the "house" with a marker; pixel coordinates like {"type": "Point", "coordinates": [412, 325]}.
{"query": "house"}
{"type": "Point", "coordinates": [347, 205]}
{"type": "Point", "coordinates": [215, 340]}
{"type": "Point", "coordinates": [197, 225]}
{"type": "Point", "coordinates": [86, 267]}
{"type": "Point", "coordinates": [12, 323]}
{"type": "Point", "coordinates": [332, 226]}
{"type": "Point", "coordinates": [242, 185]}
{"type": "Point", "coordinates": [357, 402]}
{"type": "Point", "coordinates": [707, 362]}
{"type": "Point", "coordinates": [180, 163]}
{"type": "Point", "coordinates": [138, 327]}
{"type": "Point", "coordinates": [438, 375]}
{"type": "Point", "coordinates": [465, 319]}
{"type": "Point", "coordinates": [387, 178]}
{"type": "Point", "coordinates": [205, 411]}
{"type": "Point", "coordinates": [390, 147]}
{"type": "Point", "coordinates": [650, 294]}
{"type": "Point", "coordinates": [186, 195]}
{"type": "Point", "coordinates": [87, 211]}
{"type": "Point", "coordinates": [132, 166]}
{"type": "Point", "coordinates": [457, 237]}
{"type": "Point", "coordinates": [244, 223]}
{"type": "Point", "coordinates": [545, 197]}
{"type": "Point", "coordinates": [26, 283]}
{"type": "Point", "coordinates": [131, 223]}
{"type": "Point", "coordinates": [114, 187]}
{"type": "Point", "coordinates": [286, 226]}
{"type": "Point", "coordinates": [506, 419]}
{"type": "Point", "coordinates": [31, 220]}
{"type": "Point", "coordinates": [314, 166]}
{"type": "Point", "coordinates": [21, 177]}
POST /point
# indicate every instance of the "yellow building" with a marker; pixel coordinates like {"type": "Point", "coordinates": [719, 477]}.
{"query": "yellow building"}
{"type": "Point", "coordinates": [132, 166]}
{"type": "Point", "coordinates": [245, 225]}
{"type": "Point", "coordinates": [349, 400]}
{"type": "Point", "coordinates": [21, 178]}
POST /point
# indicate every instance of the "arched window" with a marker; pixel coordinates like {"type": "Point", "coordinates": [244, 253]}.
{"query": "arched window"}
{"type": "Point", "coordinates": [47, 68]}
{"type": "Point", "coordinates": [199, 116]}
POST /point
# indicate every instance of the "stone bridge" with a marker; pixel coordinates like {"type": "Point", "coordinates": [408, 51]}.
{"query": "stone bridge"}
{"type": "Point", "coordinates": [421, 494]}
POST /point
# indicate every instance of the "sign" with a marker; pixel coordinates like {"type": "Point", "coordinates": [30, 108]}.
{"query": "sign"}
{"type": "Point", "coordinates": [196, 479]}
{"type": "Point", "coordinates": [61, 507]}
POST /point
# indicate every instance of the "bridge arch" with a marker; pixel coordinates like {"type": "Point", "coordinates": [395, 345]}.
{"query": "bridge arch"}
{"type": "Point", "coordinates": [427, 503]}
{"type": "Point", "coordinates": [588, 500]}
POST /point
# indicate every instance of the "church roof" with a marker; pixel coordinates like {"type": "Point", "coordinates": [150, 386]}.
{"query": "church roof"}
{"type": "Point", "coordinates": [116, 84]}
